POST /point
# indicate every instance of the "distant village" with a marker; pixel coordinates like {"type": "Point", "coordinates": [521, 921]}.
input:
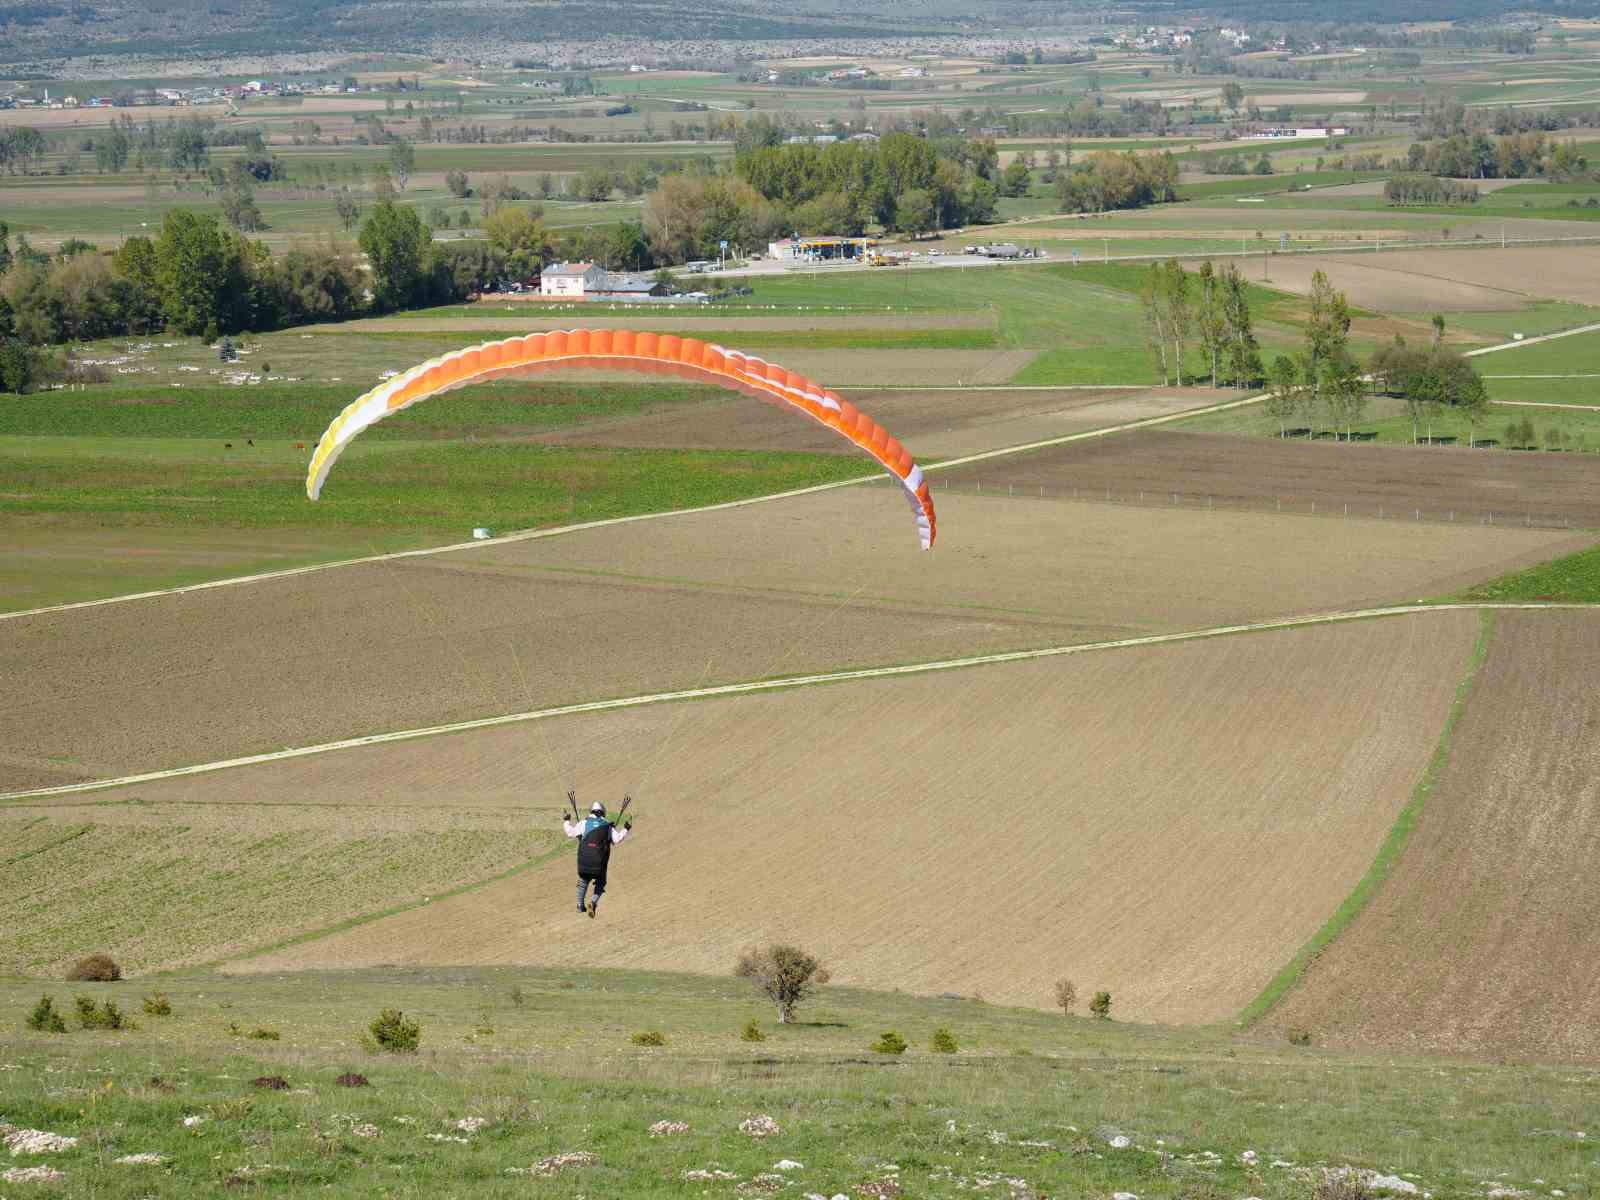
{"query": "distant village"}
{"type": "Point", "coordinates": [48, 97]}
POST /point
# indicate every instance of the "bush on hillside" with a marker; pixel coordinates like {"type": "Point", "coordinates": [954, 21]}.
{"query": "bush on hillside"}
{"type": "Point", "coordinates": [45, 1018]}
{"type": "Point", "coordinates": [650, 1037]}
{"type": "Point", "coordinates": [752, 1032]}
{"type": "Point", "coordinates": [1299, 1037]}
{"type": "Point", "coordinates": [105, 1015]}
{"type": "Point", "coordinates": [391, 1032]}
{"type": "Point", "coordinates": [1066, 993]}
{"type": "Point", "coordinates": [1100, 1006]}
{"type": "Point", "coordinates": [944, 1041]}
{"type": "Point", "coordinates": [96, 968]}
{"type": "Point", "coordinates": [889, 1042]}
{"type": "Point", "coordinates": [157, 1005]}
{"type": "Point", "coordinates": [787, 974]}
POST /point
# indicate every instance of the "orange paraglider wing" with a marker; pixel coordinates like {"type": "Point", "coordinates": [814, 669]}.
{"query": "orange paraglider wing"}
{"type": "Point", "coordinates": [622, 349]}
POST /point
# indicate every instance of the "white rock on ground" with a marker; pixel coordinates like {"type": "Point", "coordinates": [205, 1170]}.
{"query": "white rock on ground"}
{"type": "Point", "coordinates": [760, 1126]}
{"type": "Point", "coordinates": [32, 1175]}
{"type": "Point", "coordinates": [1120, 1142]}
{"type": "Point", "coordinates": [1123, 1196]}
{"type": "Point", "coordinates": [140, 1160]}
{"type": "Point", "coordinates": [787, 1164]}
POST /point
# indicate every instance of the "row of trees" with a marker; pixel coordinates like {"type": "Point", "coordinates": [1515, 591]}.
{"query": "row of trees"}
{"type": "Point", "coordinates": [1210, 308]}
{"type": "Point", "coordinates": [1511, 156]}
{"type": "Point", "coordinates": [1402, 190]}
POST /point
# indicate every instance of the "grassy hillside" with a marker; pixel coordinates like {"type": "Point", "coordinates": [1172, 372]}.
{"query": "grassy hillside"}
{"type": "Point", "coordinates": [1031, 1105]}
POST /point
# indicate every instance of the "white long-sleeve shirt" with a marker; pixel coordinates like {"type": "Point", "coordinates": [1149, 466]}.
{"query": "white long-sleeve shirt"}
{"type": "Point", "coordinates": [574, 829]}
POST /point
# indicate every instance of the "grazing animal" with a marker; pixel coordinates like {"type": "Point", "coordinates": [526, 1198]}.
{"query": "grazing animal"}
{"type": "Point", "coordinates": [299, 445]}
{"type": "Point", "coordinates": [227, 445]}
{"type": "Point", "coordinates": [249, 441]}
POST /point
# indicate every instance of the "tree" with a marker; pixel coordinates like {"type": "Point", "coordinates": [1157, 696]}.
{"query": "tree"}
{"type": "Point", "coordinates": [1327, 334]}
{"type": "Point", "coordinates": [1179, 314]}
{"type": "Point", "coordinates": [111, 150]}
{"type": "Point", "coordinates": [596, 184]}
{"type": "Point", "coordinates": [1014, 179]}
{"type": "Point", "coordinates": [1153, 307]}
{"type": "Point", "coordinates": [457, 182]}
{"type": "Point", "coordinates": [135, 266]}
{"type": "Point", "coordinates": [786, 974]}
{"type": "Point", "coordinates": [1210, 316]}
{"type": "Point", "coordinates": [198, 271]}
{"type": "Point", "coordinates": [914, 211]}
{"type": "Point", "coordinates": [1283, 398]}
{"type": "Point", "coordinates": [1232, 95]}
{"type": "Point", "coordinates": [397, 246]}
{"type": "Point", "coordinates": [240, 210]}
{"type": "Point", "coordinates": [1066, 995]}
{"type": "Point", "coordinates": [1438, 329]}
{"type": "Point", "coordinates": [520, 236]}
{"type": "Point", "coordinates": [1244, 352]}
{"type": "Point", "coordinates": [349, 211]}
{"type": "Point", "coordinates": [318, 284]}
{"type": "Point", "coordinates": [402, 161]}
{"type": "Point", "coordinates": [20, 365]}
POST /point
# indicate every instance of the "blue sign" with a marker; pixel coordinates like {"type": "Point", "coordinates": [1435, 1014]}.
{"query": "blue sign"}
{"type": "Point", "coordinates": [724, 243]}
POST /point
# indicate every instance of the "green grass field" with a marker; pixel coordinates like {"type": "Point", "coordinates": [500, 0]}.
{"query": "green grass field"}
{"type": "Point", "coordinates": [1574, 579]}
{"type": "Point", "coordinates": [545, 1060]}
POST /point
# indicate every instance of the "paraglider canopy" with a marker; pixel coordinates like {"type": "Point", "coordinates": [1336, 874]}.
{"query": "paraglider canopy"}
{"type": "Point", "coordinates": [623, 349]}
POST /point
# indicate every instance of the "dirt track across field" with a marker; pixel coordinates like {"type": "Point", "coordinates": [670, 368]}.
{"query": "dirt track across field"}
{"type": "Point", "coordinates": [1444, 280]}
{"type": "Point", "coordinates": [819, 582]}
{"type": "Point", "coordinates": [1482, 940]}
{"type": "Point", "coordinates": [1169, 823]}
{"type": "Point", "coordinates": [1257, 473]}
{"type": "Point", "coordinates": [931, 423]}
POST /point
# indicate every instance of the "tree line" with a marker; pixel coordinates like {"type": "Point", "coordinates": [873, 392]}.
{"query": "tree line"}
{"type": "Point", "coordinates": [1210, 309]}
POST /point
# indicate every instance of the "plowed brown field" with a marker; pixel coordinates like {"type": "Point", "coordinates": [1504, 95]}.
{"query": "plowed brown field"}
{"type": "Point", "coordinates": [1482, 941]}
{"type": "Point", "coordinates": [1169, 822]}
{"type": "Point", "coordinates": [1257, 472]}
{"type": "Point", "coordinates": [817, 582]}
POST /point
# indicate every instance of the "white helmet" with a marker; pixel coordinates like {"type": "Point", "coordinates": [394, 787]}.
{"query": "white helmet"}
{"type": "Point", "coordinates": [597, 809]}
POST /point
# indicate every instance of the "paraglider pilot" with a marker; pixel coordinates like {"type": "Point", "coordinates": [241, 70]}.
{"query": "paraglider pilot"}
{"type": "Point", "coordinates": [596, 835]}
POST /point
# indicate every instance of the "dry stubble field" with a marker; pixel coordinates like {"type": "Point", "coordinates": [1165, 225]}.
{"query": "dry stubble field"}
{"type": "Point", "coordinates": [811, 583]}
{"type": "Point", "coordinates": [1482, 940]}
{"type": "Point", "coordinates": [1470, 279]}
{"type": "Point", "coordinates": [1167, 822]}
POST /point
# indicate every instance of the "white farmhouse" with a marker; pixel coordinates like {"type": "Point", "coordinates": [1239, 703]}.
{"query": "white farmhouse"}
{"type": "Point", "coordinates": [574, 280]}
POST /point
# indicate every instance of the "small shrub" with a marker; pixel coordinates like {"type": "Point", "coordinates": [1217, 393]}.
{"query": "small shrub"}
{"type": "Point", "coordinates": [97, 968]}
{"type": "Point", "coordinates": [1100, 1006]}
{"type": "Point", "coordinates": [236, 1109]}
{"type": "Point", "coordinates": [1342, 1188]}
{"type": "Point", "coordinates": [351, 1079]}
{"type": "Point", "coordinates": [518, 996]}
{"type": "Point", "coordinates": [157, 1005]}
{"type": "Point", "coordinates": [1066, 993]}
{"type": "Point", "coordinates": [787, 974]}
{"type": "Point", "coordinates": [271, 1083]}
{"type": "Point", "coordinates": [649, 1037]}
{"type": "Point", "coordinates": [1299, 1037]}
{"type": "Point", "coordinates": [944, 1041]}
{"type": "Point", "coordinates": [262, 1034]}
{"type": "Point", "coordinates": [752, 1032]}
{"type": "Point", "coordinates": [105, 1015]}
{"type": "Point", "coordinates": [45, 1018]}
{"type": "Point", "coordinates": [393, 1033]}
{"type": "Point", "coordinates": [889, 1042]}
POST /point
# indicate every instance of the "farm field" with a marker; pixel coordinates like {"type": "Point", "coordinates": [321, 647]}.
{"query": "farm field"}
{"type": "Point", "coordinates": [1487, 896]}
{"type": "Point", "coordinates": [1423, 281]}
{"type": "Point", "coordinates": [1202, 780]}
{"type": "Point", "coordinates": [817, 582]}
{"type": "Point", "coordinates": [1267, 473]}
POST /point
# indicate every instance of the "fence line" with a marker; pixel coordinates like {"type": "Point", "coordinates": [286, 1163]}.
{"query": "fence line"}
{"type": "Point", "coordinates": [1291, 505]}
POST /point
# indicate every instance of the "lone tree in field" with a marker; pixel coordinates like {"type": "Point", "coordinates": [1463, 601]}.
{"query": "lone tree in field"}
{"type": "Point", "coordinates": [1066, 993]}
{"type": "Point", "coordinates": [787, 974]}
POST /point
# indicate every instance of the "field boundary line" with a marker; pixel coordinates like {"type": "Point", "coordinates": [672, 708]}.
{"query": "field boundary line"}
{"type": "Point", "coordinates": [757, 686]}
{"type": "Point", "coordinates": [529, 535]}
{"type": "Point", "coordinates": [1392, 847]}
{"type": "Point", "coordinates": [1533, 341]}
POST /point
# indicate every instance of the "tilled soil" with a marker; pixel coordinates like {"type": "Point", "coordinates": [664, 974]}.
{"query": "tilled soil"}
{"type": "Point", "coordinates": [1168, 823]}
{"type": "Point", "coordinates": [1482, 939]}
{"type": "Point", "coordinates": [1262, 473]}
{"type": "Point", "coordinates": [812, 583]}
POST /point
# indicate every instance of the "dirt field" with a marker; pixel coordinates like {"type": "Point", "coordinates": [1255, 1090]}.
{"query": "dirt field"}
{"type": "Point", "coordinates": [813, 583]}
{"type": "Point", "coordinates": [1482, 940]}
{"type": "Point", "coordinates": [1258, 472]}
{"type": "Point", "coordinates": [932, 424]}
{"type": "Point", "coordinates": [1158, 822]}
{"type": "Point", "coordinates": [1446, 280]}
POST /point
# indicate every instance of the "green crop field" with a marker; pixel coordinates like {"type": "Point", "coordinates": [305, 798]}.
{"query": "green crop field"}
{"type": "Point", "coordinates": [517, 1067]}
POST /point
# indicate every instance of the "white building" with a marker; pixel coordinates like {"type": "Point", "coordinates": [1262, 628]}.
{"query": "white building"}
{"type": "Point", "coordinates": [1286, 134]}
{"type": "Point", "coordinates": [573, 280]}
